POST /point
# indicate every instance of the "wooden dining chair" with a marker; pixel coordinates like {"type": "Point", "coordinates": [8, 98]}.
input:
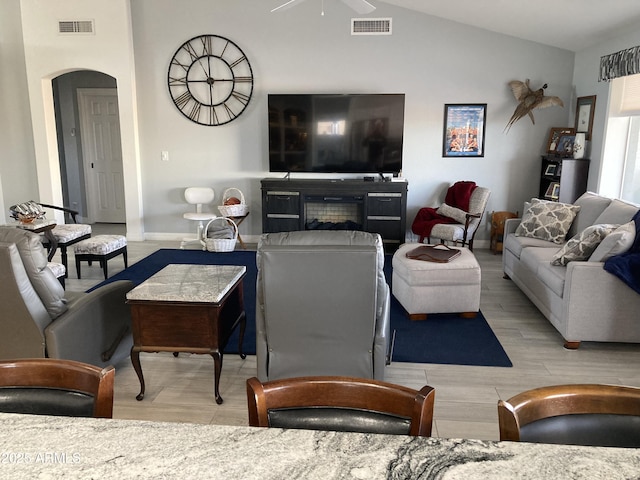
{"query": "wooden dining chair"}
{"type": "Point", "coordinates": [582, 414]}
{"type": "Point", "coordinates": [340, 404]}
{"type": "Point", "coordinates": [46, 386]}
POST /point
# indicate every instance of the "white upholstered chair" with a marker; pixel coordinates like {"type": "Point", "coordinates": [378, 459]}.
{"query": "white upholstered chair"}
{"type": "Point", "coordinates": [65, 234]}
{"type": "Point", "coordinates": [450, 223]}
{"type": "Point", "coordinates": [198, 196]}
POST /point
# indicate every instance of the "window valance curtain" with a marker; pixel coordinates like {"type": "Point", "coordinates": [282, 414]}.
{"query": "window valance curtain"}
{"type": "Point", "coordinates": [620, 64]}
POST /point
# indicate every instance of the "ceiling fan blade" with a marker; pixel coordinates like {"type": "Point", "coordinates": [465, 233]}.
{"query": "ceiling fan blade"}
{"type": "Point", "coordinates": [360, 6]}
{"type": "Point", "coordinates": [289, 4]}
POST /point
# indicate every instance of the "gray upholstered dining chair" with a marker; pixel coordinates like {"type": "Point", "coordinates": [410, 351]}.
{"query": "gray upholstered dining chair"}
{"type": "Point", "coordinates": [581, 414]}
{"type": "Point", "coordinates": [340, 404]}
{"type": "Point", "coordinates": [45, 386]}
{"type": "Point", "coordinates": [322, 305]}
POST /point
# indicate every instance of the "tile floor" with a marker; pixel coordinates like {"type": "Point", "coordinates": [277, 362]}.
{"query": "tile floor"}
{"type": "Point", "coordinates": [180, 389]}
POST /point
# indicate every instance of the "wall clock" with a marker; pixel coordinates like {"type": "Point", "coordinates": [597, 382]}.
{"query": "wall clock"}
{"type": "Point", "coordinates": [210, 80]}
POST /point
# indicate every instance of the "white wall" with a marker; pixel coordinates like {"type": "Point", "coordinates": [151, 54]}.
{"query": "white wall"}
{"type": "Point", "coordinates": [432, 61]}
{"type": "Point", "coordinates": [49, 54]}
{"type": "Point", "coordinates": [18, 181]}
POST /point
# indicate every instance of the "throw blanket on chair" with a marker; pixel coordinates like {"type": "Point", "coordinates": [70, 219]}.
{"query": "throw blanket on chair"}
{"type": "Point", "coordinates": [458, 196]}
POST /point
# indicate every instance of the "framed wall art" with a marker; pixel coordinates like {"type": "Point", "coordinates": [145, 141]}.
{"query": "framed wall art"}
{"type": "Point", "coordinates": [554, 137]}
{"type": "Point", "coordinates": [585, 108]}
{"type": "Point", "coordinates": [463, 134]}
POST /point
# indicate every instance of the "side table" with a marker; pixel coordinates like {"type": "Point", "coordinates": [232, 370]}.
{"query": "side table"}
{"type": "Point", "coordinates": [188, 308]}
{"type": "Point", "coordinates": [45, 227]}
{"type": "Point", "coordinates": [497, 229]}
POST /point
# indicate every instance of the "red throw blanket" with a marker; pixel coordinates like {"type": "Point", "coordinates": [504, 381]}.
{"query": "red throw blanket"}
{"type": "Point", "coordinates": [458, 196]}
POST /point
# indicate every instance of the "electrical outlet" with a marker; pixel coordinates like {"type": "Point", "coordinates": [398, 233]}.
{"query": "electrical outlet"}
{"type": "Point", "coordinates": [164, 156]}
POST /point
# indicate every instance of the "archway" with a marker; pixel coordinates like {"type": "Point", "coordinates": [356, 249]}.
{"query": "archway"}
{"type": "Point", "coordinates": [88, 133]}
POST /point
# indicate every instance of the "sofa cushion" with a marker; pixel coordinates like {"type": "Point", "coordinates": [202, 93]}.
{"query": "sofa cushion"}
{"type": "Point", "coordinates": [34, 258]}
{"type": "Point", "coordinates": [533, 257]}
{"type": "Point", "coordinates": [618, 211]}
{"type": "Point", "coordinates": [617, 242]}
{"type": "Point", "coordinates": [580, 247]}
{"type": "Point", "coordinates": [516, 244]}
{"type": "Point", "coordinates": [553, 276]}
{"type": "Point", "coordinates": [538, 262]}
{"type": "Point", "coordinates": [547, 220]}
{"type": "Point", "coordinates": [591, 206]}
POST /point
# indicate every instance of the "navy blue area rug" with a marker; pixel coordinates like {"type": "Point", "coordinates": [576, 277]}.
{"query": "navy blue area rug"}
{"type": "Point", "coordinates": [442, 338]}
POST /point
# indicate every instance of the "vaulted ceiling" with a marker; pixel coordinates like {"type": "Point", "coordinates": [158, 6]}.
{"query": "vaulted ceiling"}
{"type": "Point", "coordinates": [568, 24]}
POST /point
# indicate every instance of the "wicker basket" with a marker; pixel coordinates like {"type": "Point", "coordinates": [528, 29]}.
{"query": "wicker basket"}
{"type": "Point", "coordinates": [221, 244]}
{"type": "Point", "coordinates": [238, 210]}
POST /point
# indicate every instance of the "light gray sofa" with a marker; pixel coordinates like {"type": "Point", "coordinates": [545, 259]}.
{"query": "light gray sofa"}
{"type": "Point", "coordinates": [322, 305]}
{"type": "Point", "coordinates": [581, 300]}
{"type": "Point", "coordinates": [38, 319]}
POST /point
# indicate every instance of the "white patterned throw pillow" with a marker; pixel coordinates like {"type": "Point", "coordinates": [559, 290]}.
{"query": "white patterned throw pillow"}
{"type": "Point", "coordinates": [547, 220]}
{"type": "Point", "coordinates": [617, 242]}
{"type": "Point", "coordinates": [458, 215]}
{"type": "Point", "coordinates": [582, 245]}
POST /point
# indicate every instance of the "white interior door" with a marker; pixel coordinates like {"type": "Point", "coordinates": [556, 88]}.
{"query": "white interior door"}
{"type": "Point", "coordinates": [102, 154]}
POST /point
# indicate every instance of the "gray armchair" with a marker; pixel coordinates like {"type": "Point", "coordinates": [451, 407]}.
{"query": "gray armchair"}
{"type": "Point", "coordinates": [39, 320]}
{"type": "Point", "coordinates": [322, 305]}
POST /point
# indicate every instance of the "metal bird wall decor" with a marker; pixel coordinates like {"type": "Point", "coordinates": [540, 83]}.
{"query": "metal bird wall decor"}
{"type": "Point", "coordinates": [529, 100]}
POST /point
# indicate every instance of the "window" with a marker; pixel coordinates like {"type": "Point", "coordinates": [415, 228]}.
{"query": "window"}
{"type": "Point", "coordinates": [620, 173]}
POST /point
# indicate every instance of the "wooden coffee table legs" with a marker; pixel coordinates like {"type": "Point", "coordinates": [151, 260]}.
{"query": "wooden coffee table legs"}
{"type": "Point", "coordinates": [217, 364]}
{"type": "Point", "coordinates": [135, 361]}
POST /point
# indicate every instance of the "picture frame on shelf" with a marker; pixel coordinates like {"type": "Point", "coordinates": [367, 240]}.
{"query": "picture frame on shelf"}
{"type": "Point", "coordinates": [554, 137]}
{"type": "Point", "coordinates": [463, 133]}
{"type": "Point", "coordinates": [551, 170]}
{"type": "Point", "coordinates": [585, 109]}
{"type": "Point", "coordinates": [564, 148]}
{"type": "Point", "coordinates": [553, 191]}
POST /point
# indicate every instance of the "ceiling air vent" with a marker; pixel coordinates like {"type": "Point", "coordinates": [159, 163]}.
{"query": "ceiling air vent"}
{"type": "Point", "coordinates": [370, 26]}
{"type": "Point", "coordinates": [67, 27]}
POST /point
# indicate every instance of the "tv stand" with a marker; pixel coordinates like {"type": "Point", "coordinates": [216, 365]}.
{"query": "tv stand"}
{"type": "Point", "coordinates": [306, 204]}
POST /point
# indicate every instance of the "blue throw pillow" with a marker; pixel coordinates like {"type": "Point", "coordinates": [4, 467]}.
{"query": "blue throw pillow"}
{"type": "Point", "coordinates": [626, 266]}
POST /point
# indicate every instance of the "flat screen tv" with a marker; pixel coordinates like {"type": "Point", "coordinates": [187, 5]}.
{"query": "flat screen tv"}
{"type": "Point", "coordinates": [336, 133]}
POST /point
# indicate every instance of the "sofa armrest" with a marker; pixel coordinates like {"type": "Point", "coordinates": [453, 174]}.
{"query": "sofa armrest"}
{"type": "Point", "coordinates": [94, 324]}
{"type": "Point", "coordinates": [596, 301]}
{"type": "Point", "coordinates": [510, 225]}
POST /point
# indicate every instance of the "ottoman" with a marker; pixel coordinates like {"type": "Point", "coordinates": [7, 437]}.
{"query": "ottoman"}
{"type": "Point", "coordinates": [100, 248]}
{"type": "Point", "coordinates": [424, 287]}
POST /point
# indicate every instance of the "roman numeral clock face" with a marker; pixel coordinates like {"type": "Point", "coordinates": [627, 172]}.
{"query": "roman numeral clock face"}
{"type": "Point", "coordinates": [210, 80]}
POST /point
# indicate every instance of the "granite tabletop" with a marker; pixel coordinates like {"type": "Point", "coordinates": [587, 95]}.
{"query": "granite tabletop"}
{"type": "Point", "coordinates": [188, 283]}
{"type": "Point", "coordinates": [59, 447]}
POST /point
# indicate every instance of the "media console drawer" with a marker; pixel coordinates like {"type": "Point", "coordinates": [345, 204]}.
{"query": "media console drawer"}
{"type": "Point", "coordinates": [384, 203]}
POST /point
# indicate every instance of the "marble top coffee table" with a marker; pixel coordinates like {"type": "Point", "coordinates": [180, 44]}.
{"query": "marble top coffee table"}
{"type": "Point", "coordinates": [188, 308]}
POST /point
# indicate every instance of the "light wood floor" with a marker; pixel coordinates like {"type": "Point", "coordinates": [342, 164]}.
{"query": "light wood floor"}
{"type": "Point", "coordinates": [181, 389]}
